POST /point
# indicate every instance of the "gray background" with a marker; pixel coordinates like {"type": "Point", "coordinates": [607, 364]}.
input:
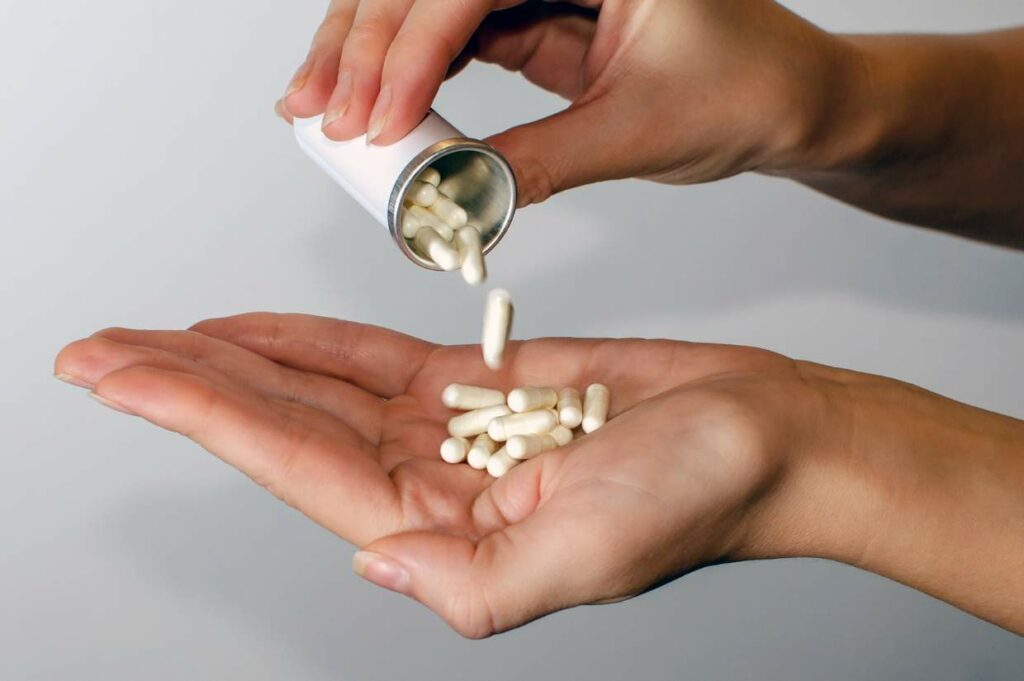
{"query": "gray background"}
{"type": "Point", "coordinates": [144, 181]}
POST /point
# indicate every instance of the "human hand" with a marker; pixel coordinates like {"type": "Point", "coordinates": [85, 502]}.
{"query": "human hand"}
{"type": "Point", "coordinates": [343, 422]}
{"type": "Point", "coordinates": [676, 91]}
{"type": "Point", "coordinates": [713, 453]}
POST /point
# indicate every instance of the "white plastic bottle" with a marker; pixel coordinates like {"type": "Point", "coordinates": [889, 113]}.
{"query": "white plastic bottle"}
{"type": "Point", "coordinates": [473, 174]}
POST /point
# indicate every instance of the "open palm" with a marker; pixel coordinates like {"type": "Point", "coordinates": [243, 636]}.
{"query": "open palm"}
{"type": "Point", "coordinates": [343, 422]}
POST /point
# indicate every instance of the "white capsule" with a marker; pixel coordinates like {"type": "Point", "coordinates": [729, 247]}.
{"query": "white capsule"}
{"type": "Point", "coordinates": [504, 427]}
{"type": "Point", "coordinates": [570, 409]}
{"type": "Point", "coordinates": [467, 239]}
{"type": "Point", "coordinates": [460, 396]}
{"type": "Point", "coordinates": [485, 444]}
{"type": "Point", "coordinates": [449, 211]}
{"type": "Point", "coordinates": [421, 193]}
{"type": "Point", "coordinates": [595, 407]}
{"type": "Point", "coordinates": [453, 450]}
{"type": "Point", "coordinates": [430, 176]}
{"type": "Point", "coordinates": [430, 220]}
{"type": "Point", "coordinates": [562, 435]}
{"type": "Point", "coordinates": [497, 325]}
{"type": "Point", "coordinates": [500, 463]}
{"type": "Point", "coordinates": [478, 458]}
{"type": "Point", "coordinates": [410, 225]}
{"type": "Point", "coordinates": [530, 399]}
{"type": "Point", "coordinates": [475, 422]}
{"type": "Point", "coordinates": [524, 447]}
{"type": "Point", "coordinates": [428, 242]}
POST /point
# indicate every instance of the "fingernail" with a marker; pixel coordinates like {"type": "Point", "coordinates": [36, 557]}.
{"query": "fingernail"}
{"type": "Point", "coordinates": [382, 571]}
{"type": "Point", "coordinates": [279, 109]}
{"type": "Point", "coordinates": [298, 81]}
{"type": "Point", "coordinates": [68, 378]}
{"type": "Point", "coordinates": [379, 115]}
{"type": "Point", "coordinates": [342, 97]}
{"type": "Point", "coordinates": [106, 402]}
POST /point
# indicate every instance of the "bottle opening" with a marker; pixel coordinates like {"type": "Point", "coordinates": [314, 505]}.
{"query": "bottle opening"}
{"type": "Point", "coordinates": [473, 175]}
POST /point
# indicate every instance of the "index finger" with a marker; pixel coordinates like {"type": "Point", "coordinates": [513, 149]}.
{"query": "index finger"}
{"type": "Point", "coordinates": [432, 36]}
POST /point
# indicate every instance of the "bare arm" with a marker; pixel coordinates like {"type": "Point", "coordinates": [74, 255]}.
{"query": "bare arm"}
{"type": "Point", "coordinates": [928, 130]}
{"type": "Point", "coordinates": [923, 129]}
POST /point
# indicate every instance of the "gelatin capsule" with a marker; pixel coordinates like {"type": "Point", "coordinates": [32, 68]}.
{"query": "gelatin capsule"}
{"type": "Point", "coordinates": [595, 407]}
{"type": "Point", "coordinates": [475, 422]}
{"type": "Point", "coordinates": [454, 449]}
{"type": "Point", "coordinates": [497, 325]}
{"type": "Point", "coordinates": [431, 244]}
{"type": "Point", "coordinates": [504, 427]}
{"type": "Point", "coordinates": [461, 396]}
{"type": "Point", "coordinates": [530, 399]}
{"type": "Point", "coordinates": [570, 408]}
{"type": "Point", "coordinates": [500, 463]}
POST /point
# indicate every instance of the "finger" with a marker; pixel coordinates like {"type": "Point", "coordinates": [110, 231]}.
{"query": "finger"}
{"type": "Point", "coordinates": [430, 39]}
{"type": "Point", "coordinates": [90, 359]}
{"type": "Point", "coordinates": [545, 42]}
{"type": "Point", "coordinates": [559, 152]}
{"type": "Point", "coordinates": [311, 86]}
{"type": "Point", "coordinates": [282, 112]}
{"type": "Point", "coordinates": [362, 58]}
{"type": "Point", "coordinates": [340, 487]}
{"type": "Point", "coordinates": [553, 559]}
{"type": "Point", "coordinates": [376, 359]}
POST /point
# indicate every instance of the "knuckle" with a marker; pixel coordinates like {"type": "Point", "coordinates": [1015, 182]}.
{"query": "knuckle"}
{"type": "Point", "coordinates": [365, 36]}
{"type": "Point", "coordinates": [468, 614]}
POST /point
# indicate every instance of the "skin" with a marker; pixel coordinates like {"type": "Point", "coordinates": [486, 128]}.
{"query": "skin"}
{"type": "Point", "coordinates": [717, 452]}
{"type": "Point", "coordinates": [923, 129]}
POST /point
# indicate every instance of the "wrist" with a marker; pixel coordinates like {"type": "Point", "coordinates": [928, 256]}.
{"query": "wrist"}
{"type": "Point", "coordinates": [885, 100]}
{"type": "Point", "coordinates": [907, 484]}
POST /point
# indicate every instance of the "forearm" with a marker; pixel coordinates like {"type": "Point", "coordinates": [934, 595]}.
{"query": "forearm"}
{"type": "Point", "coordinates": [927, 130]}
{"type": "Point", "coordinates": [913, 486]}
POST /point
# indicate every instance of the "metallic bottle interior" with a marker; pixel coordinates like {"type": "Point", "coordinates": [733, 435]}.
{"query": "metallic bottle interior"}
{"type": "Point", "coordinates": [475, 176]}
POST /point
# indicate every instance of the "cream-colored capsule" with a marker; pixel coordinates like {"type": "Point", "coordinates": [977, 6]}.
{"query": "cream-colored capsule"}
{"type": "Point", "coordinates": [478, 458]}
{"type": "Point", "coordinates": [497, 324]}
{"type": "Point", "coordinates": [562, 435]}
{"type": "Point", "coordinates": [461, 396]}
{"type": "Point", "coordinates": [485, 445]}
{"type": "Point", "coordinates": [422, 193]}
{"type": "Point", "coordinates": [449, 211]}
{"type": "Point", "coordinates": [428, 242]}
{"type": "Point", "coordinates": [524, 447]}
{"type": "Point", "coordinates": [430, 176]}
{"type": "Point", "coordinates": [504, 427]}
{"type": "Point", "coordinates": [453, 450]}
{"type": "Point", "coordinates": [427, 218]}
{"type": "Point", "coordinates": [467, 239]}
{"type": "Point", "coordinates": [595, 407]}
{"type": "Point", "coordinates": [500, 463]}
{"type": "Point", "coordinates": [530, 399]}
{"type": "Point", "coordinates": [410, 224]}
{"type": "Point", "coordinates": [570, 408]}
{"type": "Point", "coordinates": [475, 422]}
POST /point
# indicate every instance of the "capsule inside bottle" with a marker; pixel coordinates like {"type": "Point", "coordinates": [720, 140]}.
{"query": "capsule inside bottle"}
{"type": "Point", "coordinates": [473, 175]}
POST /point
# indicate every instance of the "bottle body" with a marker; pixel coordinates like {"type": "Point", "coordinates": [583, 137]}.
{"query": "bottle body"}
{"type": "Point", "coordinates": [473, 174]}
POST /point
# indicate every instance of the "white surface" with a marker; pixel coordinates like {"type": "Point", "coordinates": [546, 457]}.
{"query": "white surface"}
{"type": "Point", "coordinates": [131, 554]}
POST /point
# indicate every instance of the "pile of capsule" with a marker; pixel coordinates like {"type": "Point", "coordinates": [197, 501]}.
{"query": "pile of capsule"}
{"type": "Point", "coordinates": [439, 229]}
{"type": "Point", "coordinates": [507, 430]}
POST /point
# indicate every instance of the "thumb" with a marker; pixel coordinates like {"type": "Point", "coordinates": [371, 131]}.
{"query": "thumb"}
{"type": "Point", "coordinates": [504, 580]}
{"type": "Point", "coordinates": [582, 144]}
